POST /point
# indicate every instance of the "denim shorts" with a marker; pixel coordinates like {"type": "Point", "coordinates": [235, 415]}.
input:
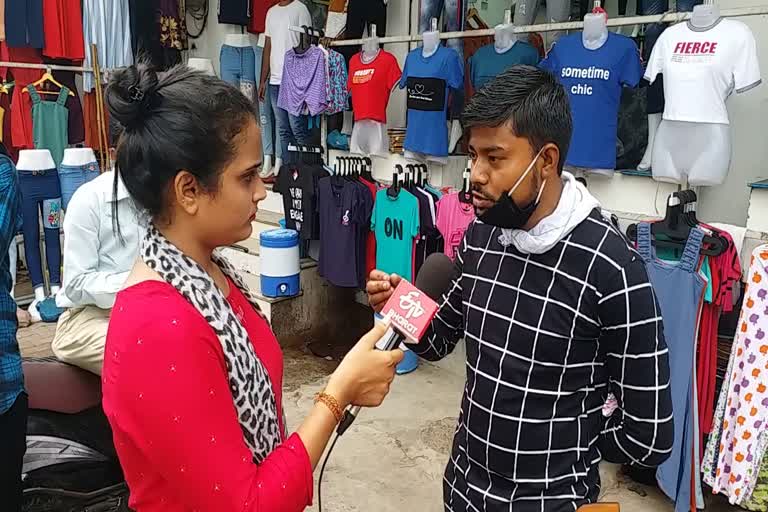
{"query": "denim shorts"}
{"type": "Point", "coordinates": [73, 177]}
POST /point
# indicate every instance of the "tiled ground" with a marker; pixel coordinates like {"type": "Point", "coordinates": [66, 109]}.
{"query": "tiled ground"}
{"type": "Point", "coordinates": [35, 341]}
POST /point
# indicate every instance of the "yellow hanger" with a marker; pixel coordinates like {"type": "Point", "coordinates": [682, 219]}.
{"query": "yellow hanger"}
{"type": "Point", "coordinates": [47, 77]}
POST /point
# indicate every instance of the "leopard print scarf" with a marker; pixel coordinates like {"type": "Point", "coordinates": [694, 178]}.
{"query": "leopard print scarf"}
{"type": "Point", "coordinates": [248, 379]}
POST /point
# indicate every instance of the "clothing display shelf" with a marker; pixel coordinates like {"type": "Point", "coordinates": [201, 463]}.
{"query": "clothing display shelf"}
{"type": "Point", "coordinates": [669, 17]}
{"type": "Point", "coordinates": [50, 67]}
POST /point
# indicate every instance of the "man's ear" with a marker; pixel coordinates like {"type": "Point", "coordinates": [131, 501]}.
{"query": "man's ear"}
{"type": "Point", "coordinates": [549, 161]}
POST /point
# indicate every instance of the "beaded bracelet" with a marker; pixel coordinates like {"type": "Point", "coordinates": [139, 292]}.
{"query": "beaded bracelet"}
{"type": "Point", "coordinates": [331, 403]}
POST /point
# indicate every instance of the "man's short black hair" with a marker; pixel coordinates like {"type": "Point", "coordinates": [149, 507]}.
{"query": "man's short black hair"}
{"type": "Point", "coordinates": [531, 101]}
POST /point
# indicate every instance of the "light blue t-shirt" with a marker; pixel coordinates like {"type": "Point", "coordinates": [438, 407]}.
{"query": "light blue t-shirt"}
{"type": "Point", "coordinates": [395, 222]}
{"type": "Point", "coordinates": [486, 64]}
{"type": "Point", "coordinates": [427, 81]}
{"type": "Point", "coordinates": [593, 80]}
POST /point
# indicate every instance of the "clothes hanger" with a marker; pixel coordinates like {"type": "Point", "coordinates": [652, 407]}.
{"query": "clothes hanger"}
{"type": "Point", "coordinates": [368, 165]}
{"type": "Point", "coordinates": [394, 189]}
{"type": "Point", "coordinates": [47, 77]}
{"type": "Point", "coordinates": [465, 194]}
{"type": "Point", "coordinates": [675, 227]}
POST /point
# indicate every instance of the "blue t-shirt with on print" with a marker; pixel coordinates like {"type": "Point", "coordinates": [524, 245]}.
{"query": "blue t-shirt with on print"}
{"type": "Point", "coordinates": [395, 222]}
{"type": "Point", "coordinates": [427, 81]}
{"type": "Point", "coordinates": [593, 80]}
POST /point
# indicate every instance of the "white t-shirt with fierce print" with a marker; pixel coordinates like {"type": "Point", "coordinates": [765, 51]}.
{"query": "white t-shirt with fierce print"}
{"type": "Point", "coordinates": [702, 67]}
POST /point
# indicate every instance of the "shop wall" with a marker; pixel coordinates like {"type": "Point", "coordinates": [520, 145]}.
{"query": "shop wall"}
{"type": "Point", "coordinates": [748, 113]}
{"type": "Point", "coordinates": [725, 203]}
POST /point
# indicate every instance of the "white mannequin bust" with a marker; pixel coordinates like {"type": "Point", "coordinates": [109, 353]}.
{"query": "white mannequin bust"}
{"type": "Point", "coordinates": [705, 16]}
{"type": "Point", "coordinates": [35, 160]}
{"type": "Point", "coordinates": [431, 40]}
{"type": "Point", "coordinates": [78, 157]}
{"type": "Point", "coordinates": [370, 48]}
{"type": "Point", "coordinates": [595, 32]}
{"type": "Point", "coordinates": [238, 40]}
{"type": "Point", "coordinates": [204, 65]}
{"type": "Point", "coordinates": [504, 38]}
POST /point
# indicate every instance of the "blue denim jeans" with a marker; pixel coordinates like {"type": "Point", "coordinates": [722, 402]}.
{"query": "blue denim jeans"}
{"type": "Point", "coordinates": [238, 67]}
{"type": "Point", "coordinates": [292, 129]}
{"type": "Point", "coordinates": [266, 118]}
{"type": "Point", "coordinates": [41, 194]}
{"type": "Point", "coordinates": [72, 177]}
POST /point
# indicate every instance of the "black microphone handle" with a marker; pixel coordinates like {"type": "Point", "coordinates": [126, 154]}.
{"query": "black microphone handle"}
{"type": "Point", "coordinates": [392, 339]}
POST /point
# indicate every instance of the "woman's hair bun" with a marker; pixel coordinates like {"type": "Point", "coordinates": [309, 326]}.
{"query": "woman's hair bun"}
{"type": "Point", "coordinates": [131, 95]}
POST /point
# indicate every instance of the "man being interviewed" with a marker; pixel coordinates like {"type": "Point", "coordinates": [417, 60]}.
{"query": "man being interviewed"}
{"type": "Point", "coordinates": [566, 358]}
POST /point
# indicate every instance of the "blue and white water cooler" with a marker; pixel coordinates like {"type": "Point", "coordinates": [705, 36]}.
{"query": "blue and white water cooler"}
{"type": "Point", "coordinates": [280, 267]}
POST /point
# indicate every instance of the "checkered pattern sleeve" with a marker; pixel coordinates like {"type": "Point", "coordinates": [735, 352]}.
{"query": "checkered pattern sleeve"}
{"type": "Point", "coordinates": [640, 430]}
{"type": "Point", "coordinates": [448, 325]}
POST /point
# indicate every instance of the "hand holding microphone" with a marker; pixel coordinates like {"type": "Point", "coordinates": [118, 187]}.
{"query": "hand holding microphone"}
{"type": "Point", "coordinates": [380, 288]}
{"type": "Point", "coordinates": [365, 374]}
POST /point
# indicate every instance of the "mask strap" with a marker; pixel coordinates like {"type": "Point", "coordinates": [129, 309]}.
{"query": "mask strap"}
{"type": "Point", "coordinates": [541, 191]}
{"type": "Point", "coordinates": [522, 176]}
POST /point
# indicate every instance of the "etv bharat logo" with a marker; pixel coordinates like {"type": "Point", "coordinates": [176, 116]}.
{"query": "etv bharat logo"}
{"type": "Point", "coordinates": [411, 305]}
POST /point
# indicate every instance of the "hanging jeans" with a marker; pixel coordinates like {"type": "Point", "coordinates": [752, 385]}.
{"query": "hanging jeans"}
{"type": "Point", "coordinates": [266, 117]}
{"type": "Point", "coordinates": [72, 177]}
{"type": "Point", "coordinates": [24, 23]}
{"type": "Point", "coordinates": [679, 290]}
{"type": "Point", "coordinates": [455, 19]}
{"type": "Point", "coordinates": [238, 67]}
{"type": "Point", "coordinates": [557, 11]}
{"type": "Point", "coordinates": [291, 129]}
{"type": "Point", "coordinates": [41, 194]}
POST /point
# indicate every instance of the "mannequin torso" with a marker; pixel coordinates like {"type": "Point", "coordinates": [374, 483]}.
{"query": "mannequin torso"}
{"type": "Point", "coordinates": [77, 157]}
{"type": "Point", "coordinates": [504, 38]}
{"type": "Point", "coordinates": [204, 65]}
{"type": "Point", "coordinates": [431, 41]}
{"type": "Point", "coordinates": [35, 160]}
{"type": "Point", "coordinates": [238, 40]}
{"type": "Point", "coordinates": [595, 32]}
{"type": "Point", "coordinates": [705, 16]}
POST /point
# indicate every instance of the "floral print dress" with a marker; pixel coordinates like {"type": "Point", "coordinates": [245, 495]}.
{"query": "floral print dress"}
{"type": "Point", "coordinates": [737, 446]}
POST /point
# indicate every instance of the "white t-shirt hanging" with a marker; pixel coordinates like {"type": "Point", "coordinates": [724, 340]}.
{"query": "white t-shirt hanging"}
{"type": "Point", "coordinates": [702, 67]}
{"type": "Point", "coordinates": [279, 20]}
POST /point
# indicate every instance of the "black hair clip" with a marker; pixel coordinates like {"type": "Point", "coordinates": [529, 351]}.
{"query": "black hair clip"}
{"type": "Point", "coordinates": [135, 94]}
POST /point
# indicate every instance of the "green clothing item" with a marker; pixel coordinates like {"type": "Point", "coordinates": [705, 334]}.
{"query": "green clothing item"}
{"type": "Point", "coordinates": [50, 121]}
{"type": "Point", "coordinates": [759, 499]}
{"type": "Point", "coordinates": [395, 222]}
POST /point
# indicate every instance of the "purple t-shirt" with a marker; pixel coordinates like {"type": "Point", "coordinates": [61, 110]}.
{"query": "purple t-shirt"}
{"type": "Point", "coordinates": [305, 79]}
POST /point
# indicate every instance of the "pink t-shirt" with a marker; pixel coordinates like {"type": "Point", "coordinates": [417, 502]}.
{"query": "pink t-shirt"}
{"type": "Point", "coordinates": [453, 217]}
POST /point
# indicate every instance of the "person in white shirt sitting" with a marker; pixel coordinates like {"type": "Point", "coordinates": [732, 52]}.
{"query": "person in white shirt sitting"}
{"type": "Point", "coordinates": [97, 260]}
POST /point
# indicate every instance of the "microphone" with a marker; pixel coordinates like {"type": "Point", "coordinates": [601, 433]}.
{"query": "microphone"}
{"type": "Point", "coordinates": [409, 311]}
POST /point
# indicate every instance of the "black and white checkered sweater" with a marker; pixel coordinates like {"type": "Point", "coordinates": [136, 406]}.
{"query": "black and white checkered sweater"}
{"type": "Point", "coordinates": [548, 336]}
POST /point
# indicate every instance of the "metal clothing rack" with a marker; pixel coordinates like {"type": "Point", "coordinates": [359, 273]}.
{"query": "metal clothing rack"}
{"type": "Point", "coordinates": [23, 300]}
{"type": "Point", "coordinates": [669, 17]}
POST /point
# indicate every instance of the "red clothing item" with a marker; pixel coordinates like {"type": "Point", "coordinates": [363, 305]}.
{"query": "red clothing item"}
{"type": "Point", "coordinates": [21, 110]}
{"type": "Point", "coordinates": [370, 85]}
{"type": "Point", "coordinates": [174, 423]}
{"type": "Point", "coordinates": [63, 29]}
{"type": "Point", "coordinates": [370, 242]}
{"type": "Point", "coordinates": [259, 9]}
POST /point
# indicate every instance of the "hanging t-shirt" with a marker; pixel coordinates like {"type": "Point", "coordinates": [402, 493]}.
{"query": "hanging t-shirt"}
{"type": "Point", "coordinates": [304, 83]}
{"type": "Point", "coordinates": [370, 238]}
{"type": "Point", "coordinates": [298, 184]}
{"type": "Point", "coordinates": [279, 20]}
{"type": "Point", "coordinates": [702, 68]}
{"type": "Point", "coordinates": [395, 222]}
{"type": "Point", "coordinates": [453, 218]}
{"type": "Point", "coordinates": [370, 85]}
{"type": "Point", "coordinates": [343, 213]}
{"type": "Point", "coordinates": [593, 80]}
{"type": "Point", "coordinates": [428, 80]}
{"type": "Point", "coordinates": [234, 12]}
{"type": "Point", "coordinates": [487, 63]}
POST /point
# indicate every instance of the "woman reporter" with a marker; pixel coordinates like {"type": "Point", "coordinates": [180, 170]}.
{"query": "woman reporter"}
{"type": "Point", "coordinates": [193, 374]}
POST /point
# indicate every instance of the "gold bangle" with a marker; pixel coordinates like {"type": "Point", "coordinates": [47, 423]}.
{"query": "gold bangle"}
{"type": "Point", "coordinates": [331, 403]}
